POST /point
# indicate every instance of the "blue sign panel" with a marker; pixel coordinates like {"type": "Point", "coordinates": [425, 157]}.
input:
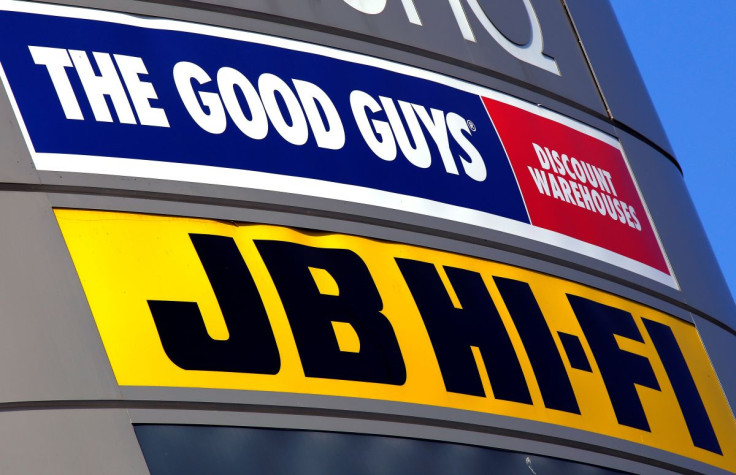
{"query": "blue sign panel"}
{"type": "Point", "coordinates": [107, 93]}
{"type": "Point", "coordinates": [87, 88]}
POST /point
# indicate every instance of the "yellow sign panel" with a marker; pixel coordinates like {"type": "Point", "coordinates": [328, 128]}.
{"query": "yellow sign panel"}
{"type": "Point", "coordinates": [199, 303]}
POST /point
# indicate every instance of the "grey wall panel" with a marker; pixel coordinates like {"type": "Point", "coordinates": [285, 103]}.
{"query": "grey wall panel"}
{"type": "Point", "coordinates": [615, 69]}
{"type": "Point", "coordinates": [49, 346]}
{"type": "Point", "coordinates": [681, 232]}
{"type": "Point", "coordinates": [721, 347]}
{"type": "Point", "coordinates": [69, 442]}
{"type": "Point", "coordinates": [16, 165]}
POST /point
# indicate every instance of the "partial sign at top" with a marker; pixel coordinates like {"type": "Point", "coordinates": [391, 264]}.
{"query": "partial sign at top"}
{"type": "Point", "coordinates": [531, 41]}
{"type": "Point", "coordinates": [531, 52]}
{"type": "Point", "coordinates": [112, 94]}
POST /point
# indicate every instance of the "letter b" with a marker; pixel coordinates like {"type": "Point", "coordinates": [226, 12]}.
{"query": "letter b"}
{"type": "Point", "coordinates": [311, 312]}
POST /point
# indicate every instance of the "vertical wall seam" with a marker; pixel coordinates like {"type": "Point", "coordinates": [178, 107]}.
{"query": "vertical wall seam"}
{"type": "Point", "coordinates": [587, 59]}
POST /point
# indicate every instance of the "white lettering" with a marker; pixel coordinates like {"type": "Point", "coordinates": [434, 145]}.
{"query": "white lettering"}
{"type": "Point", "coordinates": [214, 121]}
{"type": "Point", "coordinates": [576, 194]}
{"type": "Point", "coordinates": [544, 160]}
{"type": "Point", "coordinates": [590, 174]}
{"type": "Point", "coordinates": [330, 136]}
{"type": "Point", "coordinates": [556, 163]}
{"type": "Point", "coordinates": [257, 126]}
{"type": "Point", "coordinates": [637, 224]}
{"type": "Point", "coordinates": [141, 92]}
{"type": "Point", "coordinates": [106, 84]}
{"type": "Point", "coordinates": [438, 131]}
{"type": "Point", "coordinates": [374, 7]}
{"type": "Point", "coordinates": [585, 192]}
{"type": "Point", "coordinates": [598, 201]}
{"type": "Point", "coordinates": [566, 189]}
{"type": "Point", "coordinates": [532, 52]}
{"type": "Point", "coordinates": [381, 142]}
{"type": "Point", "coordinates": [600, 178]}
{"type": "Point", "coordinates": [56, 61]}
{"type": "Point", "coordinates": [565, 161]}
{"type": "Point", "coordinates": [540, 179]}
{"type": "Point", "coordinates": [610, 183]}
{"type": "Point", "coordinates": [628, 215]}
{"type": "Point", "coordinates": [556, 192]}
{"type": "Point", "coordinates": [610, 208]}
{"type": "Point", "coordinates": [619, 211]}
{"type": "Point", "coordinates": [579, 172]}
{"type": "Point", "coordinates": [419, 154]}
{"type": "Point", "coordinates": [473, 165]}
{"type": "Point", "coordinates": [371, 7]}
{"type": "Point", "coordinates": [295, 133]}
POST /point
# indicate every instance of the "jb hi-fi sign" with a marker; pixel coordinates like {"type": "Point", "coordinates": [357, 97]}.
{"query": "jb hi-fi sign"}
{"type": "Point", "coordinates": [531, 52]}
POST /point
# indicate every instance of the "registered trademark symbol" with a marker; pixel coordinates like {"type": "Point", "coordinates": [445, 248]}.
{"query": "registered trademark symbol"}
{"type": "Point", "coordinates": [471, 125]}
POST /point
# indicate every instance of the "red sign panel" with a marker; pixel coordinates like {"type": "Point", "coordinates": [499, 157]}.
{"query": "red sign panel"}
{"type": "Point", "coordinates": [576, 184]}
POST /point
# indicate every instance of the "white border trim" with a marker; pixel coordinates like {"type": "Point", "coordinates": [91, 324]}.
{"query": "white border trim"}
{"type": "Point", "coordinates": [317, 188]}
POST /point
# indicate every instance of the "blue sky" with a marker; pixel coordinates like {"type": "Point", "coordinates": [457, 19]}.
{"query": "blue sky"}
{"type": "Point", "coordinates": [686, 52]}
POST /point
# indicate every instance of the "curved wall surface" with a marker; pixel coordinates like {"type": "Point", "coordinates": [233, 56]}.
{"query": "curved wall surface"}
{"type": "Point", "coordinates": [348, 236]}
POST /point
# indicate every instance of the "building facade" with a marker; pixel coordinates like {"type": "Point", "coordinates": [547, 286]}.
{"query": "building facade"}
{"type": "Point", "coordinates": [349, 236]}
